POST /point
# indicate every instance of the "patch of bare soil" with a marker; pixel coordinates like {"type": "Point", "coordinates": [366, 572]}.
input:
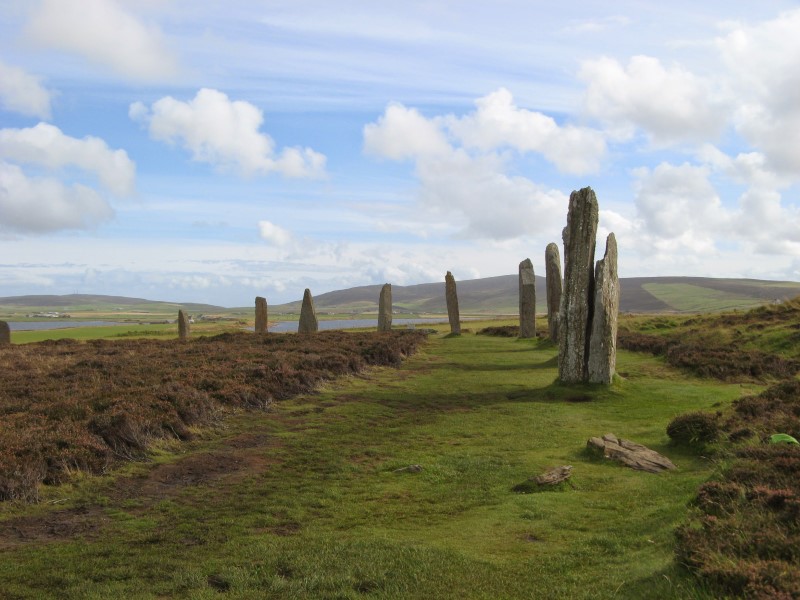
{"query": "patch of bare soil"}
{"type": "Point", "coordinates": [85, 522]}
{"type": "Point", "coordinates": [240, 456]}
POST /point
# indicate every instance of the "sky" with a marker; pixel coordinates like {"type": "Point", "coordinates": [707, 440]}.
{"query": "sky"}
{"type": "Point", "coordinates": [209, 151]}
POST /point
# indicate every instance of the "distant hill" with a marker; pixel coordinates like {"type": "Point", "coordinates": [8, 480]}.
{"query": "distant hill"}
{"type": "Point", "coordinates": [498, 295]}
{"type": "Point", "coordinates": [73, 302]}
{"type": "Point", "coordinates": [488, 296]}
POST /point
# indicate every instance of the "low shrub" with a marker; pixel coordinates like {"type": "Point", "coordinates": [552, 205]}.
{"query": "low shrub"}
{"type": "Point", "coordinates": [697, 428]}
{"type": "Point", "coordinates": [744, 539]}
{"type": "Point", "coordinates": [510, 331]}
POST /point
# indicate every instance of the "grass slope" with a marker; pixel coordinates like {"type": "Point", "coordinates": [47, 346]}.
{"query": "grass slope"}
{"type": "Point", "coordinates": [499, 295]}
{"type": "Point", "coordinates": [307, 500]}
{"type": "Point", "coordinates": [487, 296]}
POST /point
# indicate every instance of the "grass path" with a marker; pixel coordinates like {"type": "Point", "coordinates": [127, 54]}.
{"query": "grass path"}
{"type": "Point", "coordinates": [307, 501]}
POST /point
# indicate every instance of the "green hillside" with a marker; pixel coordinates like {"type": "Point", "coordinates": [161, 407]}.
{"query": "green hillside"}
{"type": "Point", "coordinates": [498, 296]}
{"type": "Point", "coordinates": [487, 296]}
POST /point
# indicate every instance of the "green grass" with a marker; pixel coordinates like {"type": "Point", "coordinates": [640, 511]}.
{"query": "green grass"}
{"type": "Point", "coordinates": [693, 298]}
{"type": "Point", "coordinates": [322, 512]}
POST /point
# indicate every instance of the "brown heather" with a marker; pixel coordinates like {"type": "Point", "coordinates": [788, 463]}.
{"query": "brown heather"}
{"type": "Point", "coordinates": [69, 405]}
{"type": "Point", "coordinates": [743, 539]}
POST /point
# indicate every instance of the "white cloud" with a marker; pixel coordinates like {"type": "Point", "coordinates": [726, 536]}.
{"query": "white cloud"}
{"type": "Point", "coordinates": [403, 133]}
{"type": "Point", "coordinates": [673, 200]}
{"type": "Point", "coordinates": [43, 204]}
{"type": "Point", "coordinates": [46, 145]}
{"type": "Point", "coordinates": [467, 185]}
{"type": "Point", "coordinates": [498, 122]}
{"type": "Point", "coordinates": [679, 212]}
{"type": "Point", "coordinates": [764, 67]}
{"type": "Point", "coordinates": [490, 203]}
{"type": "Point", "coordinates": [669, 104]}
{"type": "Point", "coordinates": [225, 134]}
{"type": "Point", "coordinates": [23, 93]}
{"type": "Point", "coordinates": [103, 32]}
{"type": "Point", "coordinates": [275, 235]}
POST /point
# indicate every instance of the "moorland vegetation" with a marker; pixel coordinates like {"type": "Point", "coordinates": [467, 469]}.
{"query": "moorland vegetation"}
{"type": "Point", "coordinates": [239, 464]}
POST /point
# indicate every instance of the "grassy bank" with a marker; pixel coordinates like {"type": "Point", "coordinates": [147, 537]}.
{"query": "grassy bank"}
{"type": "Point", "coordinates": [310, 499]}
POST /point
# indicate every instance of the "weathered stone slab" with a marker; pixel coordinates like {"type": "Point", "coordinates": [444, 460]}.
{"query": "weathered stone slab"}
{"type": "Point", "coordinates": [603, 344]}
{"type": "Point", "coordinates": [552, 266]}
{"type": "Point", "coordinates": [5, 333]}
{"type": "Point", "coordinates": [183, 326]}
{"type": "Point", "coordinates": [554, 475]}
{"type": "Point", "coordinates": [527, 299]}
{"type": "Point", "coordinates": [451, 295]}
{"type": "Point", "coordinates": [308, 318]}
{"type": "Point", "coordinates": [385, 308]}
{"type": "Point", "coordinates": [575, 315]}
{"type": "Point", "coordinates": [261, 315]}
{"type": "Point", "coordinates": [631, 454]}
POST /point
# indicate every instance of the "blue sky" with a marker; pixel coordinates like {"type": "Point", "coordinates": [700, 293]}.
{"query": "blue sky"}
{"type": "Point", "coordinates": [214, 151]}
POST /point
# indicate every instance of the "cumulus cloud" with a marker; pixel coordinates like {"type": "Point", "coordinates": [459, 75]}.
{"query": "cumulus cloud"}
{"type": "Point", "coordinates": [23, 93]}
{"type": "Point", "coordinates": [679, 211]}
{"type": "Point", "coordinates": [498, 122]}
{"type": "Point", "coordinates": [273, 234]}
{"type": "Point", "coordinates": [44, 204]}
{"type": "Point", "coordinates": [103, 32]}
{"type": "Point", "coordinates": [224, 133]}
{"type": "Point", "coordinates": [47, 146]}
{"type": "Point", "coordinates": [491, 203]}
{"type": "Point", "coordinates": [403, 133]}
{"type": "Point", "coordinates": [462, 164]}
{"type": "Point", "coordinates": [679, 202]}
{"type": "Point", "coordinates": [764, 62]}
{"type": "Point", "coordinates": [669, 104]}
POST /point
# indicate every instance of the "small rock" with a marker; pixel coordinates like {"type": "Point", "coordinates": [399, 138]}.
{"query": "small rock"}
{"type": "Point", "coordinates": [409, 469]}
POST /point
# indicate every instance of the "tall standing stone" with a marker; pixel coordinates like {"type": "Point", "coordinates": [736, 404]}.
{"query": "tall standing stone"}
{"type": "Point", "coordinates": [261, 315]}
{"type": "Point", "coordinates": [452, 303]}
{"type": "Point", "coordinates": [552, 266]}
{"type": "Point", "coordinates": [527, 299]}
{"type": "Point", "coordinates": [308, 318]}
{"type": "Point", "coordinates": [385, 308]}
{"type": "Point", "coordinates": [575, 315]}
{"type": "Point", "coordinates": [5, 333]}
{"type": "Point", "coordinates": [603, 344]}
{"type": "Point", "coordinates": [183, 326]}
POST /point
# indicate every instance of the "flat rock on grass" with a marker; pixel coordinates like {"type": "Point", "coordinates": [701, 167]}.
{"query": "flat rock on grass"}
{"type": "Point", "coordinates": [630, 453]}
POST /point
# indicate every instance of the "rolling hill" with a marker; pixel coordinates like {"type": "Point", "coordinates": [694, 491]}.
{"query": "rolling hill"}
{"type": "Point", "coordinates": [498, 295]}
{"type": "Point", "coordinates": [487, 296]}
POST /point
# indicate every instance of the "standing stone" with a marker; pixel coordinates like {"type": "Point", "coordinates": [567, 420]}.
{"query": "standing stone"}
{"type": "Point", "coordinates": [183, 326]}
{"type": "Point", "coordinates": [575, 315]}
{"type": "Point", "coordinates": [308, 318]}
{"type": "Point", "coordinates": [452, 303]}
{"type": "Point", "coordinates": [603, 344]}
{"type": "Point", "coordinates": [261, 315]}
{"type": "Point", "coordinates": [5, 333]}
{"type": "Point", "coordinates": [527, 299]}
{"type": "Point", "coordinates": [385, 308]}
{"type": "Point", "coordinates": [552, 265]}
